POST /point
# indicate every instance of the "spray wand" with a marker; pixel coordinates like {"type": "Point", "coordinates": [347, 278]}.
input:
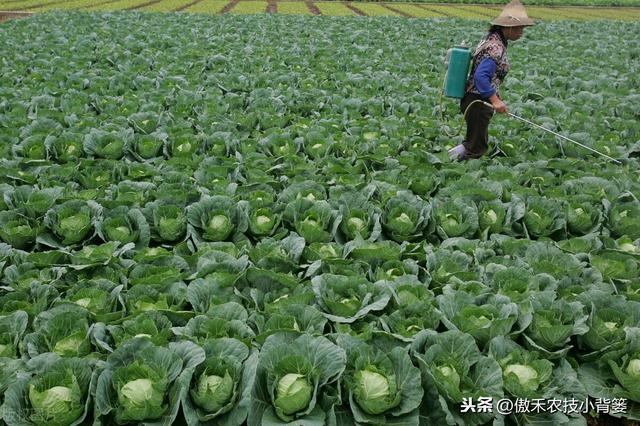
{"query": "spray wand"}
{"type": "Point", "coordinates": [557, 134]}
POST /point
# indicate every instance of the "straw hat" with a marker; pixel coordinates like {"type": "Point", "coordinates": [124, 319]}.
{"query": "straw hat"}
{"type": "Point", "coordinates": [513, 15]}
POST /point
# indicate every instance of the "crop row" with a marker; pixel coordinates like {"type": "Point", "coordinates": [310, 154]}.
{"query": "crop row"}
{"type": "Point", "coordinates": [326, 8]}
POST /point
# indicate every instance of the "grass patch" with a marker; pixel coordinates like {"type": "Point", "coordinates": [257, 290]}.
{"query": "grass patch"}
{"type": "Point", "coordinates": [208, 6]}
{"type": "Point", "coordinates": [293, 8]}
{"type": "Point", "coordinates": [250, 7]}
{"type": "Point", "coordinates": [334, 9]}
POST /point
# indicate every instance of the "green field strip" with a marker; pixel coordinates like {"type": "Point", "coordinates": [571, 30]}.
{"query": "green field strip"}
{"type": "Point", "coordinates": [71, 5]}
{"type": "Point", "coordinates": [544, 13]}
{"type": "Point", "coordinates": [118, 5]}
{"type": "Point", "coordinates": [393, 8]}
{"type": "Point", "coordinates": [481, 11]}
{"type": "Point", "coordinates": [293, 8]}
{"type": "Point", "coordinates": [330, 8]}
{"type": "Point", "coordinates": [334, 9]}
{"type": "Point", "coordinates": [61, 5]}
{"type": "Point", "coordinates": [592, 14]}
{"type": "Point", "coordinates": [471, 12]}
{"type": "Point", "coordinates": [438, 8]}
{"type": "Point", "coordinates": [416, 11]}
{"type": "Point", "coordinates": [166, 6]}
{"type": "Point", "coordinates": [27, 5]}
{"type": "Point", "coordinates": [5, 5]}
{"type": "Point", "coordinates": [564, 14]}
{"type": "Point", "coordinates": [462, 13]}
{"type": "Point", "coordinates": [250, 7]}
{"type": "Point", "coordinates": [212, 7]}
{"type": "Point", "coordinates": [11, 4]}
{"type": "Point", "coordinates": [631, 14]}
{"type": "Point", "coordinates": [608, 13]}
{"type": "Point", "coordinates": [437, 13]}
{"type": "Point", "coordinates": [372, 9]}
{"type": "Point", "coordinates": [577, 14]}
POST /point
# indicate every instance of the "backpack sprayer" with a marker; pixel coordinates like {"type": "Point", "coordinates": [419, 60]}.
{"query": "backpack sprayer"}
{"type": "Point", "coordinates": [457, 63]}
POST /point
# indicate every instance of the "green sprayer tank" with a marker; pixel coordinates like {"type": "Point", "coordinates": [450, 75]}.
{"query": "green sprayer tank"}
{"type": "Point", "coordinates": [457, 63]}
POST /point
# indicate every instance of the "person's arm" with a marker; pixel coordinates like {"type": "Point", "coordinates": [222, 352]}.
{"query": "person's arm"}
{"type": "Point", "coordinates": [482, 80]}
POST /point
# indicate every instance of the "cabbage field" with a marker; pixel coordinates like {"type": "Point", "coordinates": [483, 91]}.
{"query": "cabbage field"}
{"type": "Point", "coordinates": [253, 220]}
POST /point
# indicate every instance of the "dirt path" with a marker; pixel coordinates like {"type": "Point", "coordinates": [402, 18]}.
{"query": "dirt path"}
{"type": "Point", "coordinates": [140, 6]}
{"type": "Point", "coordinates": [394, 10]}
{"type": "Point", "coordinates": [439, 12]}
{"type": "Point", "coordinates": [187, 6]}
{"type": "Point", "coordinates": [229, 6]}
{"type": "Point", "coordinates": [5, 16]}
{"type": "Point", "coordinates": [312, 7]}
{"type": "Point", "coordinates": [355, 9]}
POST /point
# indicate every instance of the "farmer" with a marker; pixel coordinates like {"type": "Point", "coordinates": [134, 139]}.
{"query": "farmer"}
{"type": "Point", "coordinates": [489, 66]}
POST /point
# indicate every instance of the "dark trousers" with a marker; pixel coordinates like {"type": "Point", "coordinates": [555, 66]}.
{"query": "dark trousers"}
{"type": "Point", "coordinates": [478, 117]}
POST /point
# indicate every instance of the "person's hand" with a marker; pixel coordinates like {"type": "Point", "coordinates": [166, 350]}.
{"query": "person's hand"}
{"type": "Point", "coordinates": [499, 106]}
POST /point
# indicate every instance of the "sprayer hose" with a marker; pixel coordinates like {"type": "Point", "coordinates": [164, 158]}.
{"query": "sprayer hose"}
{"type": "Point", "coordinates": [464, 116]}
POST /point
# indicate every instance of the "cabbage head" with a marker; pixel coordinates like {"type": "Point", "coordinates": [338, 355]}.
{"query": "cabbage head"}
{"type": "Point", "coordinates": [525, 373]}
{"type": "Point", "coordinates": [55, 393]}
{"type": "Point", "coordinates": [66, 147]}
{"type": "Point", "coordinates": [147, 146]}
{"type": "Point", "coordinates": [18, 231]}
{"type": "Point", "coordinates": [606, 328]}
{"type": "Point", "coordinates": [583, 217]}
{"type": "Point", "coordinates": [347, 298]}
{"type": "Point", "coordinates": [356, 224]}
{"type": "Point", "coordinates": [63, 330]}
{"type": "Point", "coordinates": [218, 388]}
{"type": "Point", "coordinates": [57, 404]}
{"type": "Point", "coordinates": [168, 221]}
{"type": "Point", "coordinates": [263, 221]}
{"type": "Point", "coordinates": [633, 368]}
{"type": "Point", "coordinates": [375, 392]}
{"type": "Point", "coordinates": [217, 218]}
{"type": "Point", "coordinates": [615, 265]}
{"type": "Point", "coordinates": [553, 324]}
{"type": "Point", "coordinates": [293, 393]}
{"type": "Point", "coordinates": [212, 391]}
{"type": "Point", "coordinates": [456, 217]}
{"type": "Point", "coordinates": [381, 383]}
{"type": "Point", "coordinates": [125, 225]}
{"type": "Point", "coordinates": [360, 219]}
{"type": "Point", "coordinates": [315, 221]}
{"type": "Point", "coordinates": [140, 390]}
{"type": "Point", "coordinates": [71, 222]}
{"type": "Point", "coordinates": [623, 219]}
{"type": "Point", "coordinates": [405, 217]}
{"type": "Point", "coordinates": [492, 217]}
{"type": "Point", "coordinates": [543, 216]}
{"type": "Point", "coordinates": [523, 380]}
{"type": "Point", "coordinates": [139, 382]}
{"type": "Point", "coordinates": [108, 145]}
{"type": "Point", "coordinates": [627, 371]}
{"type": "Point", "coordinates": [292, 379]}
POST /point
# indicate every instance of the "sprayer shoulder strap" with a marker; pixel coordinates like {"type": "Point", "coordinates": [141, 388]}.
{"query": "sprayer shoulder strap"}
{"type": "Point", "coordinates": [491, 47]}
